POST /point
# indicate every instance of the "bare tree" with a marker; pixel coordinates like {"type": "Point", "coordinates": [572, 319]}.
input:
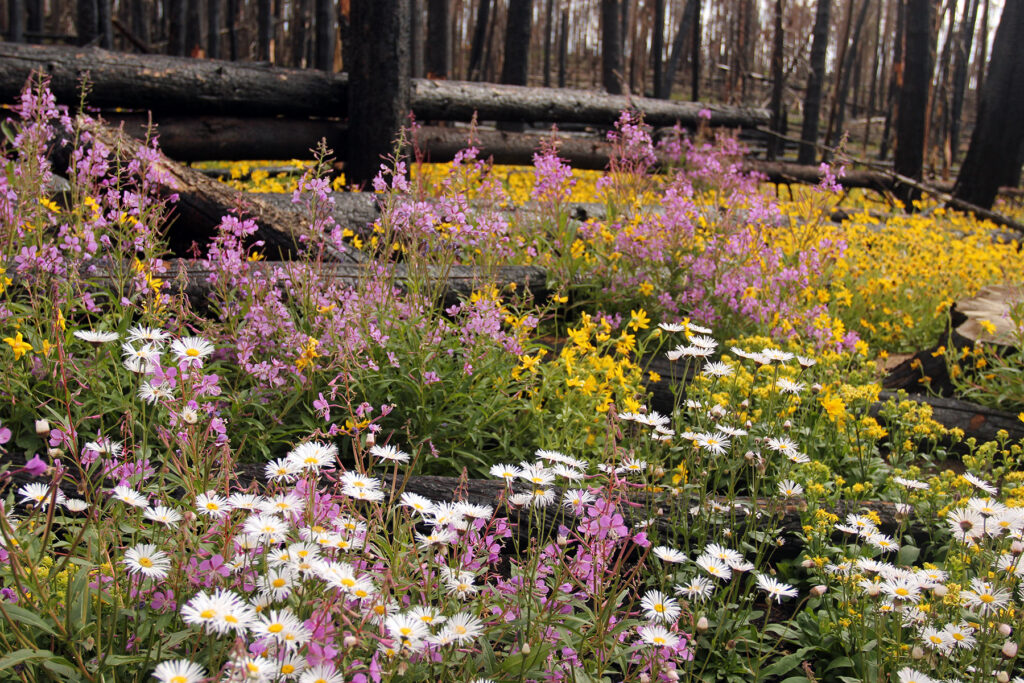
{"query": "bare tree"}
{"type": "Point", "coordinates": [611, 46]}
{"type": "Point", "coordinates": [439, 38]}
{"type": "Point", "coordinates": [993, 157]}
{"type": "Point", "coordinates": [815, 79]}
{"type": "Point", "coordinates": [911, 119]}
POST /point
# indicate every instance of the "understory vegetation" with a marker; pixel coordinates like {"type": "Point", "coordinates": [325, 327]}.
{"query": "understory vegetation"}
{"type": "Point", "coordinates": [226, 488]}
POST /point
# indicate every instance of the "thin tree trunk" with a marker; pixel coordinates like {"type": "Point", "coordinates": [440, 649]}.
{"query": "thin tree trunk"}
{"type": "Point", "coordinates": [264, 30]}
{"type": "Point", "coordinates": [232, 29]}
{"type": "Point", "coordinates": [983, 52]}
{"type": "Point", "coordinates": [815, 79]}
{"type": "Point", "coordinates": [34, 20]}
{"type": "Point", "coordinates": [300, 32]}
{"type": "Point", "coordinates": [658, 47]}
{"type": "Point", "coordinates": [476, 50]}
{"type": "Point", "coordinates": [895, 80]}
{"type": "Point", "coordinates": [563, 48]}
{"type": "Point", "coordinates": [214, 23]}
{"type": "Point", "coordinates": [961, 59]}
{"type": "Point", "coordinates": [176, 27]}
{"type": "Point", "coordinates": [439, 39]}
{"type": "Point", "coordinates": [911, 115]}
{"type": "Point", "coordinates": [325, 32]}
{"type": "Point", "coordinates": [775, 144]}
{"type": "Point", "coordinates": [994, 158]}
{"type": "Point", "coordinates": [844, 82]}
{"type": "Point", "coordinates": [515, 68]}
{"type": "Point", "coordinates": [695, 44]}
{"type": "Point", "coordinates": [687, 21]}
{"type": "Point", "coordinates": [549, 16]}
{"type": "Point", "coordinates": [193, 27]}
{"type": "Point", "coordinates": [611, 47]}
{"type": "Point", "coordinates": [16, 21]}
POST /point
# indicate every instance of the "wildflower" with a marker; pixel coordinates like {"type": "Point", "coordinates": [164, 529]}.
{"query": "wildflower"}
{"type": "Point", "coordinates": [179, 671]}
{"type": "Point", "coordinates": [698, 588]}
{"type": "Point", "coordinates": [389, 452]}
{"type": "Point", "coordinates": [147, 335]}
{"type": "Point", "coordinates": [75, 505]}
{"type": "Point", "coordinates": [935, 639]}
{"type": "Point", "coordinates": [506, 472]}
{"type": "Point", "coordinates": [417, 502]}
{"type": "Point", "coordinates": [405, 626]}
{"type": "Point", "coordinates": [961, 636]}
{"type": "Point", "coordinates": [566, 472]}
{"type": "Point", "coordinates": [776, 355]}
{"type": "Point", "coordinates": [428, 615]}
{"type": "Point", "coordinates": [459, 583]}
{"type": "Point", "coordinates": [985, 597]}
{"type": "Point", "coordinates": [282, 626]}
{"type": "Point", "coordinates": [435, 537]}
{"type": "Point", "coordinates": [322, 673]}
{"type": "Point", "coordinates": [702, 341]}
{"type": "Point", "coordinates": [140, 360]}
{"type": "Point", "coordinates": [909, 675]}
{"type": "Point", "coordinates": [966, 523]}
{"type": "Point", "coordinates": [212, 505]}
{"type": "Point", "coordinates": [474, 511]}
{"type": "Point", "coordinates": [658, 607]}
{"type": "Point", "coordinates": [145, 559]}
{"type": "Point", "coordinates": [790, 489]}
{"type": "Point", "coordinates": [130, 496]}
{"type": "Point", "coordinates": [884, 543]}
{"type": "Point", "coordinates": [354, 480]}
{"type": "Point", "coordinates": [282, 504]}
{"type": "Point", "coordinates": [96, 338]}
{"type": "Point", "coordinates": [575, 499]}
{"type": "Point", "coordinates": [218, 613]}
{"type": "Point", "coordinates": [910, 483]}
{"type": "Point", "coordinates": [35, 493]}
{"type": "Point", "coordinates": [670, 555]}
{"type": "Point", "coordinates": [987, 507]}
{"type": "Point", "coordinates": [659, 636]}
{"type": "Point", "coordinates": [154, 393]}
{"type": "Point", "coordinates": [313, 455]}
{"type": "Point", "coordinates": [190, 351]}
{"type": "Point", "coordinates": [717, 369]}
{"type": "Point", "coordinates": [282, 469]}
{"type": "Point", "coordinates": [276, 583]}
{"type": "Point", "coordinates": [464, 627]}
{"type": "Point", "coordinates": [775, 589]}
{"type": "Point", "coordinates": [788, 386]}
{"type": "Point", "coordinates": [980, 483]}
{"type": "Point", "coordinates": [715, 567]}
{"type": "Point", "coordinates": [245, 501]}
{"type": "Point", "coordinates": [717, 444]}
{"type": "Point", "coordinates": [270, 528]}
{"type": "Point", "coordinates": [902, 589]}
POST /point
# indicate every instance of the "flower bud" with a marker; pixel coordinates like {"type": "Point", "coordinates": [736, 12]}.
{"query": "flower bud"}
{"type": "Point", "coordinates": [873, 590]}
{"type": "Point", "coordinates": [940, 591]}
{"type": "Point", "coordinates": [807, 564]}
{"type": "Point", "coordinates": [351, 641]}
{"type": "Point", "coordinates": [815, 388]}
{"type": "Point", "coordinates": [671, 675]}
{"type": "Point", "coordinates": [371, 439]}
{"type": "Point", "coordinates": [787, 425]}
{"type": "Point", "coordinates": [526, 648]}
{"type": "Point", "coordinates": [1005, 630]}
{"type": "Point", "coordinates": [645, 678]}
{"type": "Point", "coordinates": [819, 590]}
{"type": "Point", "coordinates": [1002, 677]}
{"type": "Point", "coordinates": [917, 652]}
{"type": "Point", "coordinates": [42, 427]}
{"type": "Point", "coordinates": [1009, 649]}
{"type": "Point", "coordinates": [55, 452]}
{"type": "Point", "coordinates": [702, 624]}
{"type": "Point", "coordinates": [1017, 547]}
{"type": "Point", "coordinates": [745, 403]}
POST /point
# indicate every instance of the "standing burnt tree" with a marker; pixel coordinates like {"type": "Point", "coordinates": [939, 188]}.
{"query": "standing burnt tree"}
{"type": "Point", "coordinates": [815, 80]}
{"type": "Point", "coordinates": [611, 47]}
{"type": "Point", "coordinates": [993, 157]}
{"type": "Point", "coordinates": [911, 114]}
{"type": "Point", "coordinates": [377, 61]}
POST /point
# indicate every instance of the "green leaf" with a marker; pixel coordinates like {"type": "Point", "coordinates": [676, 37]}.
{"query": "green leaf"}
{"type": "Point", "coordinates": [839, 662]}
{"type": "Point", "coordinates": [781, 666]}
{"type": "Point", "coordinates": [26, 617]}
{"type": "Point", "coordinates": [21, 656]}
{"type": "Point", "coordinates": [908, 554]}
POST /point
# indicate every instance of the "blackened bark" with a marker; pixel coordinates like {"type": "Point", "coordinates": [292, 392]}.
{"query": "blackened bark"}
{"type": "Point", "coordinates": [993, 157]}
{"type": "Point", "coordinates": [694, 58]}
{"type": "Point", "coordinates": [176, 27]}
{"type": "Point", "coordinates": [961, 59]}
{"type": "Point", "coordinates": [16, 21]}
{"type": "Point", "coordinates": [549, 17]}
{"type": "Point", "coordinates": [563, 48]}
{"type": "Point", "coordinates": [193, 27]}
{"type": "Point", "coordinates": [105, 24]}
{"type": "Point", "coordinates": [611, 47]}
{"type": "Point", "coordinates": [476, 49]}
{"type": "Point", "coordinates": [264, 29]}
{"type": "Point", "coordinates": [895, 80]}
{"type": "Point", "coordinates": [213, 21]}
{"type": "Point", "coordinates": [300, 33]}
{"type": "Point", "coordinates": [141, 11]}
{"type": "Point", "coordinates": [849, 67]}
{"type": "Point", "coordinates": [324, 35]}
{"type": "Point", "coordinates": [658, 47]}
{"type": "Point", "coordinates": [778, 81]}
{"type": "Point", "coordinates": [233, 29]}
{"type": "Point", "coordinates": [815, 80]}
{"type": "Point", "coordinates": [415, 39]}
{"type": "Point", "coordinates": [34, 20]}
{"type": "Point", "coordinates": [439, 39]}
{"type": "Point", "coordinates": [87, 21]}
{"type": "Point", "coordinates": [516, 67]}
{"type": "Point", "coordinates": [686, 25]}
{"type": "Point", "coordinates": [377, 61]}
{"type": "Point", "coordinates": [913, 103]}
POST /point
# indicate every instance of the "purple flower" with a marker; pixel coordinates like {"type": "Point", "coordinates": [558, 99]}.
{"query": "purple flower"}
{"type": "Point", "coordinates": [431, 377]}
{"type": "Point", "coordinates": [5, 435]}
{"type": "Point", "coordinates": [35, 466]}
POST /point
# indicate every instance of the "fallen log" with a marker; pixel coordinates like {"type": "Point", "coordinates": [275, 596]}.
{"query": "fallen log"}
{"type": "Point", "coordinates": [192, 278]}
{"type": "Point", "coordinates": [976, 421]}
{"type": "Point", "coordinates": [175, 85]}
{"type": "Point", "coordinates": [203, 202]}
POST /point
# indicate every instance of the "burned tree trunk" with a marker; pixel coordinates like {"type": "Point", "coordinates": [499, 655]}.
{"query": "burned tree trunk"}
{"type": "Point", "coordinates": [815, 80]}
{"type": "Point", "coordinates": [516, 67]}
{"type": "Point", "coordinates": [439, 39]}
{"type": "Point", "coordinates": [16, 21]}
{"type": "Point", "coordinates": [175, 27]}
{"type": "Point", "coordinates": [911, 115]}
{"type": "Point", "coordinates": [611, 47]}
{"type": "Point", "coordinates": [686, 25]}
{"type": "Point", "coordinates": [961, 59]}
{"type": "Point", "coordinates": [993, 157]}
{"type": "Point", "coordinates": [324, 41]}
{"type": "Point", "coordinates": [775, 144]}
{"type": "Point", "coordinates": [378, 84]}
{"type": "Point", "coordinates": [476, 50]}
